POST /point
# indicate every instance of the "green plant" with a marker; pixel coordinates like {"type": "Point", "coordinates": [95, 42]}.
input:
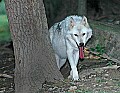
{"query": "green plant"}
{"type": "Point", "coordinates": [83, 91]}
{"type": "Point", "coordinates": [2, 7]}
{"type": "Point", "coordinates": [110, 63]}
{"type": "Point", "coordinates": [118, 84]}
{"type": "Point", "coordinates": [100, 80]}
{"type": "Point", "coordinates": [4, 29]}
{"type": "Point", "coordinates": [101, 91]}
{"type": "Point", "coordinates": [98, 48]}
{"type": "Point", "coordinates": [80, 91]}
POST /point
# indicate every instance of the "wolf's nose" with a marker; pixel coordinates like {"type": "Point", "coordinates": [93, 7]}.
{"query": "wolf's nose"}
{"type": "Point", "coordinates": [81, 44]}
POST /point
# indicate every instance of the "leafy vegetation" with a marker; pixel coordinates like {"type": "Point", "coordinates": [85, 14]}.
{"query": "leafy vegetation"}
{"type": "Point", "coordinates": [4, 29]}
{"type": "Point", "coordinates": [100, 80]}
{"type": "Point", "coordinates": [110, 63]}
{"type": "Point", "coordinates": [98, 48]}
{"type": "Point", "coordinates": [2, 7]}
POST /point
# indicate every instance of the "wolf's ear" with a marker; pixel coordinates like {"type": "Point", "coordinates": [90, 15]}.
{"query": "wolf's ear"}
{"type": "Point", "coordinates": [84, 22]}
{"type": "Point", "coordinates": [72, 23]}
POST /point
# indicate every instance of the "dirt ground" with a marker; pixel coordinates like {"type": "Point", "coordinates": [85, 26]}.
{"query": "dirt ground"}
{"type": "Point", "coordinates": [6, 70]}
{"type": "Point", "coordinates": [95, 77]}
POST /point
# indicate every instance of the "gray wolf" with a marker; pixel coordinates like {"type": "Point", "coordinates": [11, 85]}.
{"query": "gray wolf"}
{"type": "Point", "coordinates": [68, 39]}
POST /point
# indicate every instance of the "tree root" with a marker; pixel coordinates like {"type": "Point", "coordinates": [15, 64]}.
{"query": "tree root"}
{"type": "Point", "coordinates": [5, 76]}
{"type": "Point", "coordinates": [105, 56]}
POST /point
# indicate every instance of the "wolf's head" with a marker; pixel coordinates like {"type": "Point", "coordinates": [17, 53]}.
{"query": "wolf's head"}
{"type": "Point", "coordinates": [79, 32]}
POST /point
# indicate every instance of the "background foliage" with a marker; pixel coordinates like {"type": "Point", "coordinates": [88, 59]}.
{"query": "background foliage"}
{"type": "Point", "coordinates": [4, 27]}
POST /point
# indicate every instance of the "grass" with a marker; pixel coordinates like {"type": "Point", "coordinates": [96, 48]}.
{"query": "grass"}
{"type": "Point", "coordinates": [2, 7]}
{"type": "Point", "coordinates": [98, 48]}
{"type": "Point", "coordinates": [4, 29]}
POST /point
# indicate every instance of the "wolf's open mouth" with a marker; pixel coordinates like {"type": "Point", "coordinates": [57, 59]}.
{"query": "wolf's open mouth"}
{"type": "Point", "coordinates": [81, 50]}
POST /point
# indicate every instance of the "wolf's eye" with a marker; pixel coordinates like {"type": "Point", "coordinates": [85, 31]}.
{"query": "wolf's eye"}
{"type": "Point", "coordinates": [83, 34]}
{"type": "Point", "coordinates": [75, 34]}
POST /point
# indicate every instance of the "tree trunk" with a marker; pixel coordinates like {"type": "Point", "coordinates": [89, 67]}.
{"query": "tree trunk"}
{"type": "Point", "coordinates": [82, 9]}
{"type": "Point", "coordinates": [34, 58]}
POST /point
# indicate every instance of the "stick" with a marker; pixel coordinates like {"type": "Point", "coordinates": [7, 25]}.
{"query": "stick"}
{"type": "Point", "coordinates": [5, 75]}
{"type": "Point", "coordinates": [111, 67]}
{"type": "Point", "coordinates": [106, 57]}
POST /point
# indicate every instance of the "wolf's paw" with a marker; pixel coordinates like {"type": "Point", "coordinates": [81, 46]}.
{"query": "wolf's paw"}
{"type": "Point", "coordinates": [76, 78]}
{"type": "Point", "coordinates": [73, 78]}
{"type": "Point", "coordinates": [75, 75]}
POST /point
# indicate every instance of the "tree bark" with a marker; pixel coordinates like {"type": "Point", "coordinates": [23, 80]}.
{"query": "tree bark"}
{"type": "Point", "coordinates": [82, 8]}
{"type": "Point", "coordinates": [34, 58]}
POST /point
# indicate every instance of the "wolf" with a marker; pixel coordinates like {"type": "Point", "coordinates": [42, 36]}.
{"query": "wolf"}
{"type": "Point", "coordinates": [68, 39]}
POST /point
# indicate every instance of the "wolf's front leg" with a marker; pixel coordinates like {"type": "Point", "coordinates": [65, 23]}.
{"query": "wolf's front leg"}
{"type": "Point", "coordinates": [76, 56]}
{"type": "Point", "coordinates": [73, 65]}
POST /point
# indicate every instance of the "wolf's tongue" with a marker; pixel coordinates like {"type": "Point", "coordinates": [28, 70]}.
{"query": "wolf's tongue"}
{"type": "Point", "coordinates": [81, 52]}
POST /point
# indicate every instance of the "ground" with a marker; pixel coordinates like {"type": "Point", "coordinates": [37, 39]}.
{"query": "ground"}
{"type": "Point", "coordinates": [99, 76]}
{"type": "Point", "coordinates": [96, 78]}
{"type": "Point", "coordinates": [6, 69]}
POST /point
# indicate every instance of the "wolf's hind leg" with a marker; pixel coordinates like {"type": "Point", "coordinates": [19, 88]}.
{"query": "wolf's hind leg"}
{"type": "Point", "coordinates": [62, 62]}
{"type": "Point", "coordinates": [57, 60]}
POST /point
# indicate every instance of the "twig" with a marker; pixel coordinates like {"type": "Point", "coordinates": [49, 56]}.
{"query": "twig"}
{"type": "Point", "coordinates": [106, 57]}
{"type": "Point", "coordinates": [111, 67]}
{"type": "Point", "coordinates": [5, 75]}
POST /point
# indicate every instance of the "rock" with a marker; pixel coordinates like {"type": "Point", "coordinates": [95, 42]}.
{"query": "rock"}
{"type": "Point", "coordinates": [106, 75]}
{"type": "Point", "coordinates": [108, 37]}
{"type": "Point", "coordinates": [72, 88]}
{"type": "Point", "coordinates": [117, 22]}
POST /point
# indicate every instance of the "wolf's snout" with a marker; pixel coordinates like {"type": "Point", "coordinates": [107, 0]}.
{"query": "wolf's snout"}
{"type": "Point", "coordinates": [81, 44]}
